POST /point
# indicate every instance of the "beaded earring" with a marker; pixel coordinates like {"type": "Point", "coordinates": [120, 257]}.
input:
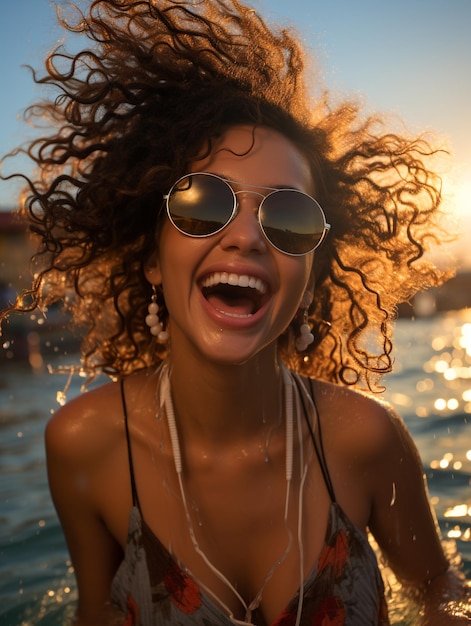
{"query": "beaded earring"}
{"type": "Point", "coordinates": [153, 320]}
{"type": "Point", "coordinates": [305, 337]}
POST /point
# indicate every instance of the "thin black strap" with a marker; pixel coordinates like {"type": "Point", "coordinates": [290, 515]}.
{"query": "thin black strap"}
{"type": "Point", "coordinates": [318, 447]}
{"type": "Point", "coordinates": [135, 499]}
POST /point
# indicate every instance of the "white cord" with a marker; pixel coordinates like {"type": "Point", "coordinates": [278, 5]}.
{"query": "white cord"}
{"type": "Point", "coordinates": [172, 427]}
{"type": "Point", "coordinates": [288, 386]}
{"type": "Point", "coordinates": [179, 468]}
{"type": "Point", "coordinates": [303, 473]}
{"type": "Point", "coordinates": [167, 399]}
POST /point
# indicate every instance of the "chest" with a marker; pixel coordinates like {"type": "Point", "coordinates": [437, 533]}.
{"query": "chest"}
{"type": "Point", "coordinates": [232, 517]}
{"type": "Point", "coordinates": [240, 538]}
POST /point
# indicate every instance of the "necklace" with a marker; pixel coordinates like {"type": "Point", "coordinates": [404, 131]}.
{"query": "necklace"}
{"type": "Point", "coordinates": [288, 384]}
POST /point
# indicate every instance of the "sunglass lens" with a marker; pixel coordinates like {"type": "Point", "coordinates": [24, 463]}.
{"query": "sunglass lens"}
{"type": "Point", "coordinates": [292, 221]}
{"type": "Point", "coordinates": [200, 204]}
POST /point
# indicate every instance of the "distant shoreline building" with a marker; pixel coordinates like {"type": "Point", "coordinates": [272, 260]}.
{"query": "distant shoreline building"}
{"type": "Point", "coordinates": [453, 295]}
{"type": "Point", "coordinates": [16, 248]}
{"type": "Point", "coordinates": [28, 336]}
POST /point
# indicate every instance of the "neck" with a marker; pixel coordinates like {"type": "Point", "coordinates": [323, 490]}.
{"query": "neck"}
{"type": "Point", "coordinates": [218, 402]}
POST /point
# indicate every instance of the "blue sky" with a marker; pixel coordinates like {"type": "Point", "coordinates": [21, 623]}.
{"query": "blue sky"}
{"type": "Point", "coordinates": [407, 57]}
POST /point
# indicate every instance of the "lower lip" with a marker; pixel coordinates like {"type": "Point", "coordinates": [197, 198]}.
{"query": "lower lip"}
{"type": "Point", "coordinates": [233, 321]}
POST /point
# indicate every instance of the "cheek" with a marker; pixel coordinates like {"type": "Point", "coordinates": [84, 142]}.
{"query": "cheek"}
{"type": "Point", "coordinates": [299, 272]}
{"type": "Point", "coordinates": [297, 279]}
{"type": "Point", "coordinates": [179, 258]}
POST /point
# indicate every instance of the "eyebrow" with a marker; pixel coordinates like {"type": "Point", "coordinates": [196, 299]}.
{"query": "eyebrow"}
{"type": "Point", "coordinates": [242, 184]}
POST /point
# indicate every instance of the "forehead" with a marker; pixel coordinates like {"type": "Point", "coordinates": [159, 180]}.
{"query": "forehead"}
{"type": "Point", "coordinates": [259, 156]}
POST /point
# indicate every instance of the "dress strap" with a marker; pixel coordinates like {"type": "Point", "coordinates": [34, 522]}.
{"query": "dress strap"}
{"type": "Point", "coordinates": [135, 499]}
{"type": "Point", "coordinates": [316, 441]}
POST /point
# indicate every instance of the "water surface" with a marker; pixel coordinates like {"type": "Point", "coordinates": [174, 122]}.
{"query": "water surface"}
{"type": "Point", "coordinates": [431, 389]}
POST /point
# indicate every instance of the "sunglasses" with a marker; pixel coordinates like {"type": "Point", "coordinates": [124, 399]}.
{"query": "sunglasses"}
{"type": "Point", "coordinates": [202, 204]}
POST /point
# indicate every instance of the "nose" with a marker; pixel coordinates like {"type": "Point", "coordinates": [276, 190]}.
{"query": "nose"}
{"type": "Point", "coordinates": [244, 232]}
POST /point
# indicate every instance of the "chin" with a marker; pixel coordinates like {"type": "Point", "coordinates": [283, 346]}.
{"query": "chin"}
{"type": "Point", "coordinates": [234, 354]}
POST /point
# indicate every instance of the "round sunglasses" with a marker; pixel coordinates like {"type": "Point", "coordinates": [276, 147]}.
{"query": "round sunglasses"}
{"type": "Point", "coordinates": [202, 204]}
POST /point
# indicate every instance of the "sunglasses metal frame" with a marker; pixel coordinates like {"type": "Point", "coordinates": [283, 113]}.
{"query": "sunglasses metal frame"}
{"type": "Point", "coordinates": [235, 209]}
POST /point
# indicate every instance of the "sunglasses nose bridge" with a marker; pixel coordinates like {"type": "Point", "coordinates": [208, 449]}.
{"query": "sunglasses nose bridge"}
{"type": "Point", "coordinates": [256, 202]}
{"type": "Point", "coordinates": [245, 230]}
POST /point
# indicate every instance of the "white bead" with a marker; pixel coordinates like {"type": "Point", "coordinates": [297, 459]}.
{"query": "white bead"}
{"type": "Point", "coordinates": [305, 338]}
{"type": "Point", "coordinates": [300, 344]}
{"type": "Point", "coordinates": [156, 329]}
{"type": "Point", "coordinates": [162, 336]}
{"type": "Point", "coordinates": [152, 320]}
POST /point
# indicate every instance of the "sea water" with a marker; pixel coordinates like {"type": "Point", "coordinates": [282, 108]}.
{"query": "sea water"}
{"type": "Point", "coordinates": [431, 389]}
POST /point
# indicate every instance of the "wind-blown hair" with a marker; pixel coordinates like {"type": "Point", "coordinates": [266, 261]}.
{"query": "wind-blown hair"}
{"type": "Point", "coordinates": [161, 80]}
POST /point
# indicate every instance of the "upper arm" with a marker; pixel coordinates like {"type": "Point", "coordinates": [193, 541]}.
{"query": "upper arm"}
{"type": "Point", "coordinates": [402, 519]}
{"type": "Point", "coordinates": [72, 460]}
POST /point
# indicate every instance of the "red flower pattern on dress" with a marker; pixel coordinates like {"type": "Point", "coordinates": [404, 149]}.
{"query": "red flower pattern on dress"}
{"type": "Point", "coordinates": [132, 615]}
{"type": "Point", "coordinates": [326, 598]}
{"type": "Point", "coordinates": [335, 555]}
{"type": "Point", "coordinates": [287, 618]}
{"type": "Point", "coordinates": [331, 613]}
{"type": "Point", "coordinates": [184, 592]}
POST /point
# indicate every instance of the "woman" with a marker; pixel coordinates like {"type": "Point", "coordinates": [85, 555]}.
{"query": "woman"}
{"type": "Point", "coordinates": [235, 253]}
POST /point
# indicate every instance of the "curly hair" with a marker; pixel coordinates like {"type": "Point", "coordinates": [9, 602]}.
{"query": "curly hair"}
{"type": "Point", "coordinates": [161, 80]}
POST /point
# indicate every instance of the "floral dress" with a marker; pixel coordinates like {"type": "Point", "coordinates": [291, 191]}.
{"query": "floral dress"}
{"type": "Point", "coordinates": [344, 588]}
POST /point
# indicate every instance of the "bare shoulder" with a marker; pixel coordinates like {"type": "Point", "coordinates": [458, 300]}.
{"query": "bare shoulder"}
{"type": "Point", "coordinates": [92, 424]}
{"type": "Point", "coordinates": [357, 423]}
{"type": "Point", "coordinates": [87, 425]}
{"type": "Point", "coordinates": [372, 461]}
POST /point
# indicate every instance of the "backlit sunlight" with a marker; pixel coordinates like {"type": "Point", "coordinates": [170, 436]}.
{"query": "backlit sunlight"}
{"type": "Point", "coordinates": [458, 205]}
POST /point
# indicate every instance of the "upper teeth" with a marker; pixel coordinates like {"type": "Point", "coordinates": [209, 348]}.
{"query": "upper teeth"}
{"type": "Point", "coordinates": [235, 280]}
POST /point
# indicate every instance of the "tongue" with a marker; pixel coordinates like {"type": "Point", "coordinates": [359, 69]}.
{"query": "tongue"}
{"type": "Point", "coordinates": [239, 305]}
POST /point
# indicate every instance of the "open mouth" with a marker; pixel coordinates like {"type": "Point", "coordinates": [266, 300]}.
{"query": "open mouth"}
{"type": "Point", "coordinates": [234, 295]}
